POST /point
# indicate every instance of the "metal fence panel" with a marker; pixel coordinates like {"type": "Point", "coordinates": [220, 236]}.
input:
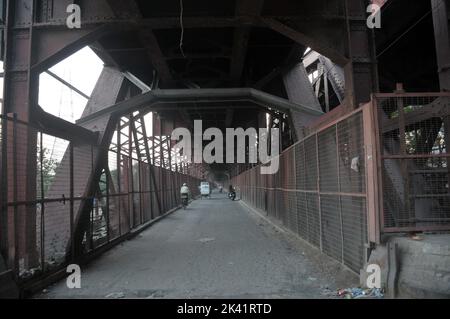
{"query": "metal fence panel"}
{"type": "Point", "coordinates": [414, 138]}
{"type": "Point", "coordinates": [302, 215]}
{"type": "Point", "coordinates": [331, 226]}
{"type": "Point", "coordinates": [329, 177]}
{"type": "Point", "coordinates": [319, 191]}
{"type": "Point", "coordinates": [310, 147]}
{"type": "Point", "coordinates": [46, 184]}
{"type": "Point", "coordinates": [354, 229]}
{"type": "Point", "coordinates": [352, 163]}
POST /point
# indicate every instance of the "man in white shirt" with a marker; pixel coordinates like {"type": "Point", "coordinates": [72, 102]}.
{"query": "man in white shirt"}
{"type": "Point", "coordinates": [184, 191]}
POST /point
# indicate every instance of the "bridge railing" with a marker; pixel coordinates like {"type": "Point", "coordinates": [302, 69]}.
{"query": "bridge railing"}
{"type": "Point", "coordinates": [382, 169]}
{"type": "Point", "coordinates": [321, 191]}
{"type": "Point", "coordinates": [44, 188]}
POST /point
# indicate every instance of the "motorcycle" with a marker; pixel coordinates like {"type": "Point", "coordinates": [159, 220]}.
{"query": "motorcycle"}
{"type": "Point", "coordinates": [184, 201]}
{"type": "Point", "coordinates": [232, 195]}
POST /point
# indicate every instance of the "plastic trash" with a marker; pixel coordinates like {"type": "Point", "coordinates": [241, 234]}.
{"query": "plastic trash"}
{"type": "Point", "coordinates": [359, 293]}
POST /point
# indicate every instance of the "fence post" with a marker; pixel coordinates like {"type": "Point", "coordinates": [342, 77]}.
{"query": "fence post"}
{"type": "Point", "coordinates": [338, 166]}
{"type": "Point", "coordinates": [41, 159]}
{"type": "Point", "coordinates": [4, 188]}
{"type": "Point", "coordinates": [108, 221]}
{"type": "Point", "coordinates": [141, 193]}
{"type": "Point", "coordinates": [119, 181]}
{"type": "Point", "coordinates": [72, 238]}
{"type": "Point", "coordinates": [373, 169]}
{"type": "Point", "coordinates": [15, 191]}
{"type": "Point", "coordinates": [403, 152]}
{"type": "Point", "coordinates": [318, 192]}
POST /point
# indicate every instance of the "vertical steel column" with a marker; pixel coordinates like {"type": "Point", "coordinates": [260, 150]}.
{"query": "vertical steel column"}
{"type": "Point", "coordinates": [151, 171]}
{"type": "Point", "coordinates": [308, 232]}
{"type": "Point", "coordinates": [441, 21]}
{"type": "Point", "coordinates": [318, 192]}
{"type": "Point", "coordinates": [326, 92]}
{"type": "Point", "coordinates": [130, 174]}
{"type": "Point", "coordinates": [172, 174]}
{"type": "Point", "coordinates": [138, 152]}
{"type": "Point", "coordinates": [90, 228]}
{"type": "Point", "coordinates": [338, 166]}
{"type": "Point", "coordinates": [41, 163]}
{"type": "Point", "coordinates": [20, 97]}
{"type": "Point", "coordinates": [441, 11]}
{"type": "Point", "coordinates": [373, 171]}
{"type": "Point", "coordinates": [108, 222]}
{"type": "Point", "coordinates": [361, 74]}
{"type": "Point", "coordinates": [403, 152]}
{"type": "Point", "coordinates": [161, 163]}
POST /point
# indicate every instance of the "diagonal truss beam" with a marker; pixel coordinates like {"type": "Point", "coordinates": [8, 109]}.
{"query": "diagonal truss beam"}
{"type": "Point", "coordinates": [130, 9]}
{"type": "Point", "coordinates": [70, 86]}
{"type": "Point", "coordinates": [302, 38]}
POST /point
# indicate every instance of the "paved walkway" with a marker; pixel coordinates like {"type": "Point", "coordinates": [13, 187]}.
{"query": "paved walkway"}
{"type": "Point", "coordinates": [215, 248]}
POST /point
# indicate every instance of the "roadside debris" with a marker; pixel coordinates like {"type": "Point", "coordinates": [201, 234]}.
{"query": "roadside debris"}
{"type": "Point", "coordinates": [206, 240]}
{"type": "Point", "coordinates": [29, 273]}
{"type": "Point", "coordinates": [359, 293]}
{"type": "Point", "coordinates": [116, 295]}
{"type": "Point", "coordinates": [416, 237]}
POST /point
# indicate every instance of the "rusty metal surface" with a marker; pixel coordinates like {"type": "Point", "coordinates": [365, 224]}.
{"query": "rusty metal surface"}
{"type": "Point", "coordinates": [320, 191]}
{"type": "Point", "coordinates": [413, 132]}
{"type": "Point", "coordinates": [37, 231]}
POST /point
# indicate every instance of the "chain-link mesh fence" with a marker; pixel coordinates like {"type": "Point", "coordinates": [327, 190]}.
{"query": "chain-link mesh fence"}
{"type": "Point", "coordinates": [47, 184]}
{"type": "Point", "coordinates": [414, 138]}
{"type": "Point", "coordinates": [319, 191]}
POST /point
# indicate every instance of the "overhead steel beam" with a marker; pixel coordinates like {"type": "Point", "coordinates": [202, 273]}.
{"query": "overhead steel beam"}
{"type": "Point", "coordinates": [229, 117]}
{"type": "Point", "coordinates": [104, 55]}
{"type": "Point", "coordinates": [335, 74]}
{"type": "Point", "coordinates": [152, 98]}
{"type": "Point", "coordinates": [136, 81]}
{"type": "Point", "coordinates": [361, 73]}
{"type": "Point", "coordinates": [159, 23]}
{"type": "Point", "coordinates": [293, 58]}
{"type": "Point", "coordinates": [441, 21]}
{"type": "Point", "coordinates": [242, 36]}
{"type": "Point", "coordinates": [207, 109]}
{"type": "Point", "coordinates": [125, 9]}
{"type": "Point", "coordinates": [240, 45]}
{"type": "Point", "coordinates": [298, 87]}
{"type": "Point", "coordinates": [53, 46]}
{"type": "Point", "coordinates": [130, 9]}
{"type": "Point", "coordinates": [52, 125]}
{"type": "Point", "coordinates": [304, 39]}
{"type": "Point", "coordinates": [156, 57]}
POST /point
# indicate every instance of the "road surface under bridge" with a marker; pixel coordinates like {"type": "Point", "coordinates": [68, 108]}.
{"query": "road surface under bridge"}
{"type": "Point", "coordinates": [215, 248]}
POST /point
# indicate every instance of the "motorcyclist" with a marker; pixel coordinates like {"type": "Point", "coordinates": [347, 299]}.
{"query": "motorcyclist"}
{"type": "Point", "coordinates": [184, 191]}
{"type": "Point", "coordinates": [231, 192]}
